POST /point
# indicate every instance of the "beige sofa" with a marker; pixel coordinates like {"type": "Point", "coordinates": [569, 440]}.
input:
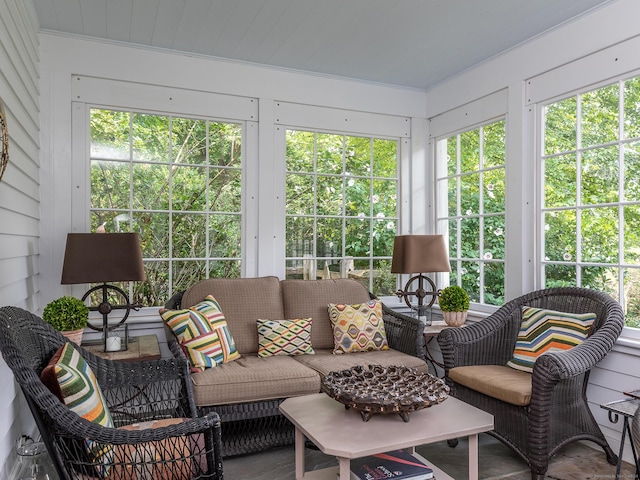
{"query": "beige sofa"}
{"type": "Point", "coordinates": [247, 392]}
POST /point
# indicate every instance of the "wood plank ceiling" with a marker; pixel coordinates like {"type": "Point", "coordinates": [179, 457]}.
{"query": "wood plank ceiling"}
{"type": "Point", "coordinates": [411, 43]}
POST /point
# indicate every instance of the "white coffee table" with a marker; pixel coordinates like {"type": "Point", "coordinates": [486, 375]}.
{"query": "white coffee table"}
{"type": "Point", "coordinates": [341, 432]}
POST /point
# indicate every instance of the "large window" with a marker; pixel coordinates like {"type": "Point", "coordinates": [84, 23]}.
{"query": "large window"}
{"type": "Point", "coordinates": [591, 193]}
{"type": "Point", "coordinates": [471, 181]}
{"type": "Point", "coordinates": [177, 182]}
{"type": "Point", "coordinates": [341, 207]}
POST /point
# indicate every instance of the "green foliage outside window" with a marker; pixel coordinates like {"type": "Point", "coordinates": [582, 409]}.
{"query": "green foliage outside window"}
{"type": "Point", "coordinates": [591, 205]}
{"type": "Point", "coordinates": [341, 207]}
{"type": "Point", "coordinates": [177, 182]}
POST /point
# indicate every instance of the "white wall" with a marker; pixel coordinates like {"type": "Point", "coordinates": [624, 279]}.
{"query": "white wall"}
{"type": "Point", "coordinates": [19, 197]}
{"type": "Point", "coordinates": [588, 51]}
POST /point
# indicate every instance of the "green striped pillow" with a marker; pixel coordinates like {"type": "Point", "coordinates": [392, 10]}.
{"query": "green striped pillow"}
{"type": "Point", "coordinates": [71, 379]}
{"type": "Point", "coordinates": [545, 331]}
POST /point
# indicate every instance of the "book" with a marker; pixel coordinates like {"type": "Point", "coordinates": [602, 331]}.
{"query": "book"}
{"type": "Point", "coordinates": [397, 464]}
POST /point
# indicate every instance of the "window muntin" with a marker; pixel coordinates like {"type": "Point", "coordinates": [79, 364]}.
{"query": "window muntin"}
{"type": "Point", "coordinates": [178, 183]}
{"type": "Point", "coordinates": [471, 180]}
{"type": "Point", "coordinates": [341, 207]}
{"type": "Point", "coordinates": [590, 197]}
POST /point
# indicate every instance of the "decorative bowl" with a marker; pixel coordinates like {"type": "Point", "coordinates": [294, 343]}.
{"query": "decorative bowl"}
{"type": "Point", "coordinates": [384, 389]}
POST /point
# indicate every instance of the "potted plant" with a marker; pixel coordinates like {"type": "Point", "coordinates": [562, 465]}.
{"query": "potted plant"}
{"type": "Point", "coordinates": [69, 316]}
{"type": "Point", "coordinates": [454, 303]}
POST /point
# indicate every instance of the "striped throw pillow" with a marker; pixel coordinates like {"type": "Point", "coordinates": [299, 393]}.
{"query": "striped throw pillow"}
{"type": "Point", "coordinates": [284, 337]}
{"type": "Point", "coordinates": [545, 331]}
{"type": "Point", "coordinates": [71, 379]}
{"type": "Point", "coordinates": [203, 333]}
{"type": "Point", "coordinates": [358, 328]}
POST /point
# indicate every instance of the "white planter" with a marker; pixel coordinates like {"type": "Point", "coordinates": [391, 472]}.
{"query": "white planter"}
{"type": "Point", "coordinates": [455, 319]}
{"type": "Point", "coordinates": [74, 335]}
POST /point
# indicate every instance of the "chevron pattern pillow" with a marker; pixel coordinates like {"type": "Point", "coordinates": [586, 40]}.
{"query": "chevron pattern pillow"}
{"type": "Point", "coordinates": [71, 379]}
{"type": "Point", "coordinates": [545, 331]}
{"type": "Point", "coordinates": [358, 328]}
{"type": "Point", "coordinates": [203, 333]}
{"type": "Point", "coordinates": [284, 337]}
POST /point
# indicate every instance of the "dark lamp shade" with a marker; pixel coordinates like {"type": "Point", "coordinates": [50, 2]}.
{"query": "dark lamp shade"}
{"type": "Point", "coordinates": [102, 258]}
{"type": "Point", "coordinates": [419, 254]}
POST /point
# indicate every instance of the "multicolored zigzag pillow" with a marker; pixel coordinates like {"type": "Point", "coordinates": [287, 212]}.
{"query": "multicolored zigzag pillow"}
{"type": "Point", "coordinates": [203, 333]}
{"type": "Point", "coordinates": [358, 328]}
{"type": "Point", "coordinates": [284, 337]}
{"type": "Point", "coordinates": [71, 379]}
{"type": "Point", "coordinates": [545, 331]}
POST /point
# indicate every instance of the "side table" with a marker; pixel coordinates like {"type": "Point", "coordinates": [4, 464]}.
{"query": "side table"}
{"type": "Point", "coordinates": [144, 347]}
{"type": "Point", "coordinates": [627, 408]}
{"type": "Point", "coordinates": [430, 333]}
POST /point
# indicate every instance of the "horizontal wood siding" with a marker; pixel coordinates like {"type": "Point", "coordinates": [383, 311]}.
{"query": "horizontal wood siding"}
{"type": "Point", "coordinates": [19, 197]}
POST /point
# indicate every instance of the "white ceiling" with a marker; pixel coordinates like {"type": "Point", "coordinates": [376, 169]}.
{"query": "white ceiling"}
{"type": "Point", "coordinates": [413, 43]}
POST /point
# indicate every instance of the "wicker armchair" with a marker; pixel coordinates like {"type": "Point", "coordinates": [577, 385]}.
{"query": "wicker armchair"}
{"type": "Point", "coordinates": [558, 413]}
{"type": "Point", "coordinates": [135, 392]}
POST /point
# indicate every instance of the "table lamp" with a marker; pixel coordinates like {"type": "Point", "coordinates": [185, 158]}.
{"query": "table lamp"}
{"type": "Point", "coordinates": [419, 254]}
{"type": "Point", "coordinates": [102, 258]}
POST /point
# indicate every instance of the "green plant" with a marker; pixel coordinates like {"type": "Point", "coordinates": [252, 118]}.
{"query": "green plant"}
{"type": "Point", "coordinates": [453, 299]}
{"type": "Point", "coordinates": [66, 313]}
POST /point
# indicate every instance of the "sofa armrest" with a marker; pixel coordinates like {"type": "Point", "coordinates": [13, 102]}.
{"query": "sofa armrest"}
{"type": "Point", "coordinates": [404, 333]}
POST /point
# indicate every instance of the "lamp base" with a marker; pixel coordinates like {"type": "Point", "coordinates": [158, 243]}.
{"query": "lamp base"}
{"type": "Point", "coordinates": [422, 313]}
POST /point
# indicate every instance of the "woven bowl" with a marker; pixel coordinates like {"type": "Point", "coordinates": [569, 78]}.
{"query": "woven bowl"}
{"type": "Point", "coordinates": [385, 389]}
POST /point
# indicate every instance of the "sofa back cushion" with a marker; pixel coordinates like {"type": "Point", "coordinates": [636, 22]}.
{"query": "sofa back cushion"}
{"type": "Point", "coordinates": [311, 298]}
{"type": "Point", "coordinates": [243, 301]}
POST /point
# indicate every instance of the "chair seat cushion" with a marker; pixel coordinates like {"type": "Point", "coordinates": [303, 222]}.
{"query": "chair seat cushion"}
{"type": "Point", "coordinates": [497, 381]}
{"type": "Point", "coordinates": [253, 378]}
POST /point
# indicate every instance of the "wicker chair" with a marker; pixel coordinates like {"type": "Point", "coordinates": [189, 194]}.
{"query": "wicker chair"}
{"type": "Point", "coordinates": [558, 413]}
{"type": "Point", "coordinates": [135, 392]}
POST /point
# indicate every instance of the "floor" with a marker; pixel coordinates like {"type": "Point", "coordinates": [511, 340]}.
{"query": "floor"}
{"type": "Point", "coordinates": [575, 462]}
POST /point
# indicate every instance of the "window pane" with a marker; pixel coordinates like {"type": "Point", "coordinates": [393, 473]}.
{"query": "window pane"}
{"type": "Point", "coordinates": [494, 283]}
{"type": "Point", "coordinates": [494, 190]}
{"type": "Point", "coordinates": [632, 108]}
{"type": "Point", "coordinates": [632, 172]}
{"type": "Point", "coordinates": [631, 234]}
{"type": "Point", "coordinates": [358, 197]}
{"type": "Point", "coordinates": [329, 195]}
{"type": "Point", "coordinates": [358, 156]}
{"type": "Point", "coordinates": [560, 121]}
{"type": "Point", "coordinates": [189, 141]}
{"type": "Point", "coordinates": [110, 187]}
{"type": "Point", "coordinates": [299, 194]}
{"type": "Point", "coordinates": [150, 189]}
{"type": "Point", "coordinates": [470, 194]}
{"type": "Point", "coordinates": [110, 143]}
{"type": "Point", "coordinates": [330, 153]}
{"type": "Point", "coordinates": [329, 241]}
{"type": "Point", "coordinates": [599, 227]}
{"type": "Point", "coordinates": [559, 276]}
{"type": "Point", "coordinates": [225, 145]}
{"type": "Point", "coordinates": [600, 116]}
{"type": "Point", "coordinates": [494, 238]}
{"type": "Point", "coordinates": [189, 188]}
{"type": "Point", "coordinates": [560, 235]}
{"type": "Point", "coordinates": [150, 138]}
{"type": "Point", "coordinates": [384, 198]}
{"type": "Point", "coordinates": [299, 236]}
{"type": "Point", "coordinates": [494, 145]}
{"type": "Point", "coordinates": [300, 148]}
{"type": "Point", "coordinates": [471, 280]}
{"type": "Point", "coordinates": [560, 181]}
{"type": "Point", "coordinates": [600, 176]}
{"type": "Point", "coordinates": [601, 278]}
{"type": "Point", "coordinates": [225, 190]}
{"type": "Point", "coordinates": [225, 236]}
{"type": "Point", "coordinates": [470, 151]}
{"type": "Point", "coordinates": [189, 235]}
{"type": "Point", "coordinates": [385, 153]}
{"type": "Point", "coordinates": [357, 242]}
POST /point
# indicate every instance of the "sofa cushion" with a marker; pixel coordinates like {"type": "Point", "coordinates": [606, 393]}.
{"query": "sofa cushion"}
{"type": "Point", "coordinates": [253, 378]}
{"type": "Point", "coordinates": [324, 361]}
{"type": "Point", "coordinates": [497, 381]}
{"type": "Point", "coordinates": [545, 331]}
{"type": "Point", "coordinates": [243, 301]}
{"type": "Point", "coordinates": [358, 327]}
{"type": "Point", "coordinates": [310, 298]}
{"type": "Point", "coordinates": [202, 332]}
{"type": "Point", "coordinates": [284, 337]}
